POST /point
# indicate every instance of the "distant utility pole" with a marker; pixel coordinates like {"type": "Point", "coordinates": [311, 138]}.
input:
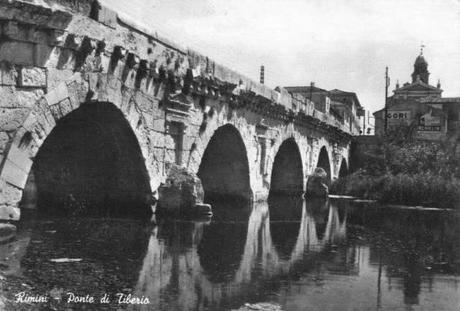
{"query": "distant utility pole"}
{"type": "Point", "coordinates": [262, 74]}
{"type": "Point", "coordinates": [387, 84]}
{"type": "Point", "coordinates": [364, 125]}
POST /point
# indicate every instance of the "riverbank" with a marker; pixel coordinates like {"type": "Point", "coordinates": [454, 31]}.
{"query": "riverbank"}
{"type": "Point", "coordinates": [406, 172]}
{"type": "Point", "coordinates": [422, 189]}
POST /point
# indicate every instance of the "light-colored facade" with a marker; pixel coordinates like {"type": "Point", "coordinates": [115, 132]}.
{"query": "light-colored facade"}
{"type": "Point", "coordinates": [420, 107]}
{"type": "Point", "coordinates": [343, 106]}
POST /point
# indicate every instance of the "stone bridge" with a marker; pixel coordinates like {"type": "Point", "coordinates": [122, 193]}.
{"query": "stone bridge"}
{"type": "Point", "coordinates": [96, 108]}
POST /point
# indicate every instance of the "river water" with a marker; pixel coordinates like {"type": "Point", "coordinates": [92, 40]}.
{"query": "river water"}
{"type": "Point", "coordinates": [300, 255]}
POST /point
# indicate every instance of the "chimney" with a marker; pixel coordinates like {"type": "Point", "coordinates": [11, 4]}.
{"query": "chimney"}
{"type": "Point", "coordinates": [262, 74]}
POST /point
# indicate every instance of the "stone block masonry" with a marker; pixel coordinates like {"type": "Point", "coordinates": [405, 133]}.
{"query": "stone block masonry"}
{"type": "Point", "coordinates": [76, 74]}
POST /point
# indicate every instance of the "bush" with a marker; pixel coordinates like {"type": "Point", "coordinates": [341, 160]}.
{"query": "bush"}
{"type": "Point", "coordinates": [359, 184]}
{"type": "Point", "coordinates": [423, 188]}
{"type": "Point", "coordinates": [407, 172]}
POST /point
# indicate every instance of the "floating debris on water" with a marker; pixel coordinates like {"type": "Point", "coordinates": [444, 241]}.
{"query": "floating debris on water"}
{"type": "Point", "coordinates": [264, 306]}
{"type": "Point", "coordinates": [62, 260]}
{"type": "Point", "coordinates": [345, 197]}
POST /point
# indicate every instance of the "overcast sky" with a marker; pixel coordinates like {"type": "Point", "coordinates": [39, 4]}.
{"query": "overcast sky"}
{"type": "Point", "coordinates": [337, 44]}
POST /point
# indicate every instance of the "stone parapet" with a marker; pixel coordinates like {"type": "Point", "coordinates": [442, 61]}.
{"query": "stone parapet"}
{"type": "Point", "coordinates": [57, 57]}
{"type": "Point", "coordinates": [55, 24]}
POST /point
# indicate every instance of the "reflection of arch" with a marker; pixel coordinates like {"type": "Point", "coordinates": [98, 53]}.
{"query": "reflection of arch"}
{"type": "Point", "coordinates": [323, 161]}
{"type": "Point", "coordinates": [224, 168]}
{"type": "Point", "coordinates": [90, 163]}
{"type": "Point", "coordinates": [262, 241]}
{"type": "Point", "coordinates": [257, 244]}
{"type": "Point", "coordinates": [287, 172]}
{"type": "Point", "coordinates": [343, 168]}
{"type": "Point", "coordinates": [256, 254]}
{"type": "Point", "coordinates": [285, 210]}
{"type": "Point", "coordinates": [222, 243]}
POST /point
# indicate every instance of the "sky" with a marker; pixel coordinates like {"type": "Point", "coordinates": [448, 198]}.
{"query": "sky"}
{"type": "Point", "coordinates": [344, 44]}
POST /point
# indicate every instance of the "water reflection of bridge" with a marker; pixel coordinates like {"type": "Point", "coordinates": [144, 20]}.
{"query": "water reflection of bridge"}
{"type": "Point", "coordinates": [284, 252]}
{"type": "Point", "coordinates": [167, 268]}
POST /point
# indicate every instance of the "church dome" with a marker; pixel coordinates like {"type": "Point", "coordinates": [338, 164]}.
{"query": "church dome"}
{"type": "Point", "coordinates": [420, 70]}
{"type": "Point", "coordinates": [420, 60]}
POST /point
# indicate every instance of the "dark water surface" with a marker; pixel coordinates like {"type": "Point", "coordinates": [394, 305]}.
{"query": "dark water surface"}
{"type": "Point", "coordinates": [312, 255]}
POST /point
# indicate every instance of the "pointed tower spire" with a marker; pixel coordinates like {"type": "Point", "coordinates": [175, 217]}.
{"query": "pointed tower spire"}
{"type": "Point", "coordinates": [421, 68]}
{"type": "Point", "coordinates": [421, 49]}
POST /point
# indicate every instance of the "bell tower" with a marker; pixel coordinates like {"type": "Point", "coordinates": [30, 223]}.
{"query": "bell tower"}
{"type": "Point", "coordinates": [421, 68]}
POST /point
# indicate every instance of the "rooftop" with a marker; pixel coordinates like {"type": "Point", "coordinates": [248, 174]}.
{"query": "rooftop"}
{"type": "Point", "coordinates": [441, 100]}
{"type": "Point", "coordinates": [304, 89]}
{"type": "Point", "coordinates": [334, 94]}
{"type": "Point", "coordinates": [418, 83]}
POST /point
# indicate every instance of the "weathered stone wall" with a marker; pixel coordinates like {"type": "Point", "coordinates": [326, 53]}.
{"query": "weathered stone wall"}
{"type": "Point", "coordinates": [174, 100]}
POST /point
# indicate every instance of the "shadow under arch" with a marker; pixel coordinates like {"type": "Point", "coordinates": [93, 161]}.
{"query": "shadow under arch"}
{"type": "Point", "coordinates": [287, 171]}
{"type": "Point", "coordinates": [343, 168]}
{"type": "Point", "coordinates": [224, 167]}
{"type": "Point", "coordinates": [323, 162]}
{"type": "Point", "coordinates": [90, 164]}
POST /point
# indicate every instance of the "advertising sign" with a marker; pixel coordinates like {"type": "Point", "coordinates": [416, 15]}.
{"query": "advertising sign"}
{"type": "Point", "coordinates": [429, 128]}
{"type": "Point", "coordinates": [399, 116]}
{"type": "Point", "coordinates": [429, 122]}
{"type": "Point", "coordinates": [430, 135]}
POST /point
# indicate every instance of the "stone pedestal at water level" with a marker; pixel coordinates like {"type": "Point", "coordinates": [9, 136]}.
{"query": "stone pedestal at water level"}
{"type": "Point", "coordinates": [182, 193]}
{"type": "Point", "coordinates": [317, 184]}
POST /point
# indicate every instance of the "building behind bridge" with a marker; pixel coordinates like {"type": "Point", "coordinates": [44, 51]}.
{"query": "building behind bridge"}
{"type": "Point", "coordinates": [419, 108]}
{"type": "Point", "coordinates": [343, 106]}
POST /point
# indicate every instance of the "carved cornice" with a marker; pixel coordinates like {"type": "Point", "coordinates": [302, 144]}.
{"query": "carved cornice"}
{"type": "Point", "coordinates": [169, 71]}
{"type": "Point", "coordinates": [213, 88]}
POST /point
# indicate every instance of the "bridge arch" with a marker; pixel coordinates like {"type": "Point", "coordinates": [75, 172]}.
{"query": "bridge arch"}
{"type": "Point", "coordinates": [343, 171]}
{"type": "Point", "coordinates": [46, 112]}
{"type": "Point", "coordinates": [324, 162]}
{"type": "Point", "coordinates": [287, 172]}
{"type": "Point", "coordinates": [224, 168]}
{"type": "Point", "coordinates": [89, 163]}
